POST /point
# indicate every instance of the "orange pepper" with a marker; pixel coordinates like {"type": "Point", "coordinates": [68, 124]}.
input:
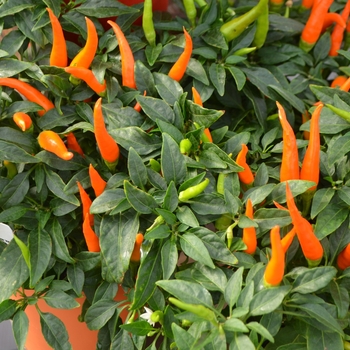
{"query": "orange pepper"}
{"type": "Point", "coordinates": [249, 233]}
{"type": "Point", "coordinates": [97, 183]}
{"type": "Point", "coordinates": [91, 239]}
{"type": "Point", "coordinates": [246, 176]}
{"type": "Point", "coordinates": [136, 254]}
{"type": "Point", "coordinates": [52, 142]}
{"type": "Point", "coordinates": [22, 120]}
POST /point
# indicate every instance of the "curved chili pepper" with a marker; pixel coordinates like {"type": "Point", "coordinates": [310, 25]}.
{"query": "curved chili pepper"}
{"type": "Point", "coordinates": [108, 147]}
{"type": "Point", "coordinates": [338, 32]}
{"type": "Point", "coordinates": [191, 11]}
{"type": "Point", "coordinates": [58, 56]}
{"type": "Point", "coordinates": [245, 176]}
{"type": "Point", "coordinates": [274, 271]}
{"type": "Point", "coordinates": [52, 142]}
{"type": "Point", "coordinates": [338, 81]}
{"type": "Point", "coordinates": [147, 23]}
{"type": "Point", "coordinates": [178, 70]}
{"type": "Point", "coordinates": [127, 57]}
{"type": "Point", "coordinates": [88, 76]}
{"type": "Point", "coordinates": [136, 253]}
{"type": "Point", "coordinates": [91, 239]}
{"type": "Point", "coordinates": [73, 144]}
{"type": "Point", "coordinates": [249, 233]}
{"type": "Point", "coordinates": [29, 92]}
{"type": "Point", "coordinates": [290, 158]}
{"type": "Point", "coordinates": [288, 239]}
{"type": "Point", "coordinates": [193, 191]}
{"type": "Point", "coordinates": [262, 26]}
{"type": "Point", "coordinates": [198, 100]}
{"type": "Point", "coordinates": [97, 183]}
{"type": "Point", "coordinates": [310, 169]}
{"type": "Point", "coordinates": [235, 27]}
{"type": "Point", "coordinates": [23, 121]}
{"type": "Point", "coordinates": [343, 259]}
{"type": "Point", "coordinates": [86, 203]}
{"type": "Point", "coordinates": [310, 245]}
{"type": "Point", "coordinates": [313, 26]}
{"type": "Point", "coordinates": [86, 55]}
{"type": "Point", "coordinates": [333, 17]}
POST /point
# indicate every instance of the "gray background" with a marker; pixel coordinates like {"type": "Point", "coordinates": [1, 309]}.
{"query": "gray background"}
{"type": "Point", "coordinates": [6, 337]}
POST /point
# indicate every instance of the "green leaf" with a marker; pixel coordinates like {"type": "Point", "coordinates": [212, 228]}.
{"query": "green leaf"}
{"type": "Point", "coordinates": [104, 8]}
{"type": "Point", "coordinates": [202, 116]}
{"type": "Point", "coordinates": [195, 249]}
{"type": "Point", "coordinates": [15, 6]}
{"type": "Point", "coordinates": [258, 328]}
{"type": "Point", "coordinates": [40, 248]}
{"type": "Point", "coordinates": [235, 325]}
{"type": "Point", "coordinates": [137, 169]}
{"type": "Point", "coordinates": [297, 103]}
{"type": "Point", "coordinates": [238, 76]}
{"type": "Point", "coordinates": [54, 331]}
{"type": "Point", "coordinates": [99, 313]}
{"type": "Point", "coordinates": [116, 246]}
{"type": "Point", "coordinates": [321, 199]}
{"type": "Point", "coordinates": [141, 201]}
{"type": "Point", "coordinates": [138, 328]}
{"type": "Point", "coordinates": [338, 149]}
{"type": "Point", "coordinates": [7, 309]}
{"type": "Point", "coordinates": [76, 277]}
{"type": "Point", "coordinates": [149, 272]}
{"type": "Point", "coordinates": [122, 341]}
{"type": "Point", "coordinates": [169, 258]}
{"type": "Point", "coordinates": [312, 280]}
{"type": "Point", "coordinates": [319, 313]}
{"type": "Point", "coordinates": [268, 300]}
{"type": "Point", "coordinates": [186, 216]}
{"type": "Point", "coordinates": [233, 287]}
{"type": "Point", "coordinates": [183, 339]}
{"type": "Point", "coordinates": [107, 201]}
{"type": "Point", "coordinates": [13, 270]}
{"type": "Point", "coordinates": [268, 218]}
{"type": "Point", "coordinates": [188, 292]}
{"type": "Point", "coordinates": [217, 75]}
{"type": "Point", "coordinates": [172, 161]}
{"type": "Point", "coordinates": [317, 339]}
{"type": "Point", "coordinates": [168, 89]}
{"type": "Point", "coordinates": [10, 67]}
{"type": "Point", "coordinates": [15, 191]}
{"type": "Point", "coordinates": [171, 199]}
{"type": "Point", "coordinates": [211, 279]}
{"type": "Point", "coordinates": [241, 342]}
{"type": "Point", "coordinates": [340, 296]}
{"type": "Point", "coordinates": [60, 300]}
{"type": "Point", "coordinates": [20, 326]}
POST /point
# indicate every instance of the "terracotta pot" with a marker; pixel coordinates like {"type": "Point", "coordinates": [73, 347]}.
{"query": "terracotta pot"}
{"type": "Point", "coordinates": [80, 336]}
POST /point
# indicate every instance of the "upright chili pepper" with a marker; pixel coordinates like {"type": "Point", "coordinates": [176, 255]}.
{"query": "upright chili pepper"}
{"type": "Point", "coordinates": [178, 70]}
{"type": "Point", "coordinates": [147, 23]}
{"type": "Point", "coordinates": [86, 55]}
{"type": "Point", "coordinates": [88, 76]}
{"type": "Point", "coordinates": [313, 26]}
{"type": "Point", "coordinates": [86, 203]}
{"type": "Point", "coordinates": [91, 239]}
{"type": "Point", "coordinates": [249, 233]}
{"type": "Point", "coordinates": [23, 121]}
{"type": "Point", "coordinates": [73, 144]}
{"type": "Point", "coordinates": [262, 26]}
{"type": "Point", "coordinates": [238, 25]}
{"type": "Point", "coordinates": [97, 183]}
{"type": "Point", "coordinates": [274, 271]}
{"type": "Point", "coordinates": [127, 57]}
{"type": "Point", "coordinates": [29, 92]}
{"type": "Point", "coordinates": [310, 169]}
{"type": "Point", "coordinates": [338, 32]}
{"type": "Point", "coordinates": [290, 158]}
{"type": "Point", "coordinates": [108, 147]}
{"type": "Point", "coordinates": [58, 56]}
{"type": "Point", "coordinates": [245, 176]}
{"type": "Point", "coordinates": [191, 11]}
{"type": "Point", "coordinates": [343, 259]}
{"type": "Point", "coordinates": [198, 100]}
{"type": "Point", "coordinates": [310, 245]}
{"type": "Point", "coordinates": [288, 239]}
{"type": "Point", "coordinates": [193, 191]}
{"type": "Point", "coordinates": [52, 142]}
{"type": "Point", "coordinates": [136, 253]}
{"type": "Point", "coordinates": [338, 81]}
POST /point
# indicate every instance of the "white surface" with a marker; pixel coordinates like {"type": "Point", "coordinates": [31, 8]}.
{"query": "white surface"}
{"type": "Point", "coordinates": [6, 338]}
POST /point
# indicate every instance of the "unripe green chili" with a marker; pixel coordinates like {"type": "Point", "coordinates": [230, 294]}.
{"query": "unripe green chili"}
{"type": "Point", "coordinates": [191, 11]}
{"type": "Point", "coordinates": [193, 191]}
{"type": "Point", "coordinates": [262, 27]}
{"type": "Point", "coordinates": [185, 146]}
{"type": "Point", "coordinates": [155, 165]}
{"type": "Point", "coordinates": [147, 23]}
{"type": "Point", "coordinates": [238, 25]}
{"type": "Point", "coordinates": [229, 234]}
{"type": "Point", "coordinates": [244, 51]}
{"type": "Point", "coordinates": [11, 169]}
{"type": "Point", "coordinates": [343, 114]}
{"type": "Point", "coordinates": [223, 222]}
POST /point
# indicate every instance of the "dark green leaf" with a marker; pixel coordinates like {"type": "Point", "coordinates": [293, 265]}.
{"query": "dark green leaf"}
{"type": "Point", "coordinates": [59, 299]}
{"type": "Point", "coordinates": [137, 328]}
{"type": "Point", "coordinates": [169, 258]}
{"type": "Point", "coordinates": [20, 327]}
{"type": "Point", "coordinates": [7, 309]}
{"type": "Point", "coordinates": [99, 313]}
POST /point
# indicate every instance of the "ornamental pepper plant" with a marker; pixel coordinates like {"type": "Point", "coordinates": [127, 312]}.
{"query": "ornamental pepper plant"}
{"type": "Point", "coordinates": [116, 185]}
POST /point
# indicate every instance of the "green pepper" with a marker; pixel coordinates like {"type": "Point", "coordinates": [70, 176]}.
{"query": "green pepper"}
{"type": "Point", "coordinates": [11, 169]}
{"type": "Point", "coordinates": [193, 191]}
{"type": "Point", "coordinates": [147, 23]}
{"type": "Point", "coordinates": [237, 26]}
{"type": "Point", "coordinates": [344, 114]}
{"type": "Point", "coordinates": [262, 28]}
{"type": "Point", "coordinates": [244, 51]}
{"type": "Point", "coordinates": [185, 146]}
{"type": "Point", "coordinates": [155, 165]}
{"type": "Point", "coordinates": [191, 11]}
